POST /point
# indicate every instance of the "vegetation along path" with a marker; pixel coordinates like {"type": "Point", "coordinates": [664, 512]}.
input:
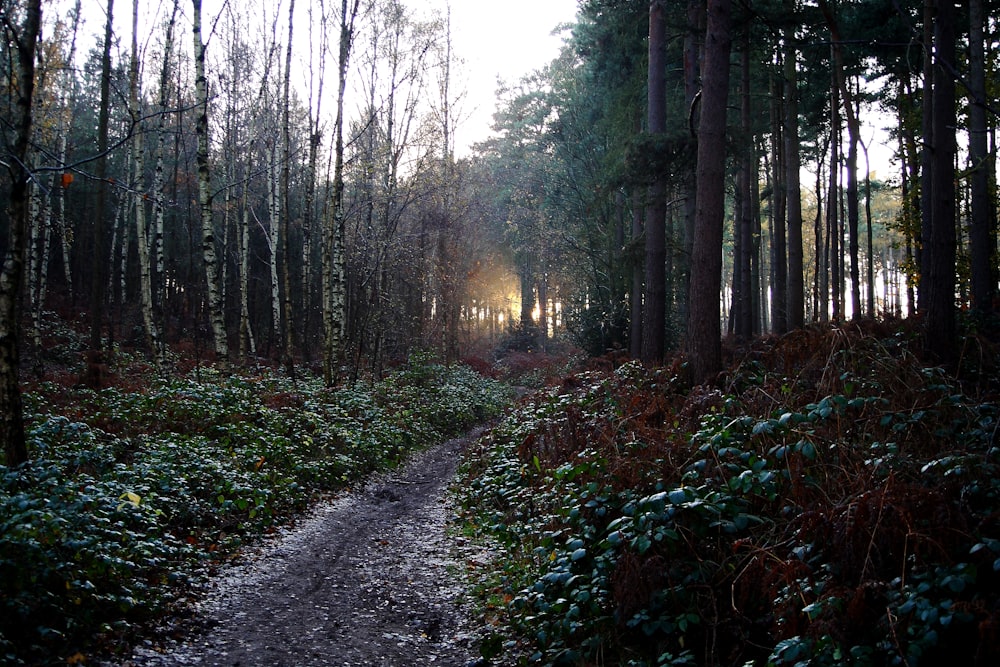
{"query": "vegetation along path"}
{"type": "Point", "coordinates": [367, 579]}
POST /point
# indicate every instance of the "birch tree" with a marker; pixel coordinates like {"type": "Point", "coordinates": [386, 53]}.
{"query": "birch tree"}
{"type": "Point", "coordinates": [213, 291]}
{"type": "Point", "coordinates": [22, 39]}
{"type": "Point", "coordinates": [153, 339]}
{"type": "Point", "coordinates": [334, 271]}
{"type": "Point", "coordinates": [95, 354]}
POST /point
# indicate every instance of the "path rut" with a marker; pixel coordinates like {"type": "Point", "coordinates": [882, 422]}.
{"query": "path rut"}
{"type": "Point", "coordinates": [370, 578]}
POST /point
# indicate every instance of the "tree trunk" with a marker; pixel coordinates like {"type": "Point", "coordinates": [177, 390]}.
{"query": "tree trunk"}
{"type": "Point", "coordinates": [654, 303]}
{"type": "Point", "coordinates": [833, 237]}
{"type": "Point", "coordinates": [744, 222]}
{"type": "Point", "coordinates": [704, 335]}
{"type": "Point", "coordinates": [926, 160]}
{"type": "Point", "coordinates": [12, 274]}
{"type": "Point", "coordinates": [982, 240]}
{"type": "Point", "coordinates": [779, 207]}
{"type": "Point", "coordinates": [941, 324]}
{"type": "Point", "coordinates": [159, 177]}
{"type": "Point", "coordinates": [214, 294]}
{"type": "Point", "coordinates": [793, 166]}
{"type": "Point", "coordinates": [638, 274]}
{"type": "Point", "coordinates": [286, 158]}
{"type": "Point", "coordinates": [334, 271]}
{"type": "Point", "coordinates": [142, 235]}
{"type": "Point", "coordinates": [95, 354]}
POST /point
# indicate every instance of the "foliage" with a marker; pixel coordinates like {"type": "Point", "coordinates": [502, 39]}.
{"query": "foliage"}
{"type": "Point", "coordinates": [132, 496]}
{"type": "Point", "coordinates": [831, 502]}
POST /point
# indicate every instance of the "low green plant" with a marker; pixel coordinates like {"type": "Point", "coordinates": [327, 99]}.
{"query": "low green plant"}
{"type": "Point", "coordinates": [798, 517]}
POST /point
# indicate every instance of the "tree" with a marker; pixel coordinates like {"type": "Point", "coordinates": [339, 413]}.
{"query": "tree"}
{"type": "Point", "coordinates": [95, 355]}
{"type": "Point", "coordinates": [982, 237]}
{"type": "Point", "coordinates": [704, 345]}
{"type": "Point", "coordinates": [940, 279]}
{"type": "Point", "coordinates": [24, 38]}
{"type": "Point", "coordinates": [142, 235]}
{"type": "Point", "coordinates": [334, 273]}
{"type": "Point", "coordinates": [795, 312]}
{"type": "Point", "coordinates": [654, 303]}
{"type": "Point", "coordinates": [209, 256]}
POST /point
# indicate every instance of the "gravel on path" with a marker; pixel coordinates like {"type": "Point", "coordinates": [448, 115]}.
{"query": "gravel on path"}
{"type": "Point", "coordinates": [369, 578]}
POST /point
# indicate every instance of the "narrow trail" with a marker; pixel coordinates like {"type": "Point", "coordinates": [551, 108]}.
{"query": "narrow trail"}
{"type": "Point", "coordinates": [370, 578]}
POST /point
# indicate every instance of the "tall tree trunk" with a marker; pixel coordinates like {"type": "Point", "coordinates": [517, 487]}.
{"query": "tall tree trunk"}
{"type": "Point", "coordinates": [854, 138]}
{"type": "Point", "coordinates": [692, 88]}
{"type": "Point", "coordinates": [159, 176]}
{"type": "Point", "coordinates": [793, 165]}
{"type": "Point", "coordinates": [213, 290]}
{"type": "Point", "coordinates": [982, 240]}
{"type": "Point", "coordinates": [273, 226]}
{"type": "Point", "coordinates": [247, 345]}
{"type": "Point", "coordinates": [142, 235]}
{"type": "Point", "coordinates": [779, 207]}
{"type": "Point", "coordinates": [68, 104]}
{"type": "Point", "coordinates": [95, 355]}
{"type": "Point", "coordinates": [941, 324]}
{"type": "Point", "coordinates": [334, 271]}
{"type": "Point", "coordinates": [926, 159]}
{"type": "Point", "coordinates": [654, 310]}
{"type": "Point", "coordinates": [286, 159]}
{"type": "Point", "coordinates": [743, 285]}
{"type": "Point", "coordinates": [833, 208]}
{"type": "Point", "coordinates": [871, 240]}
{"type": "Point", "coordinates": [635, 294]}
{"type": "Point", "coordinates": [703, 327]}
{"type": "Point", "coordinates": [24, 38]}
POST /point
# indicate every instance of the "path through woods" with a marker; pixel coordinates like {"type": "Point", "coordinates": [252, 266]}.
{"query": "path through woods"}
{"type": "Point", "coordinates": [371, 578]}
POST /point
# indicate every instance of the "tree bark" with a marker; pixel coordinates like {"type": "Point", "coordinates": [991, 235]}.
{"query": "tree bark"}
{"type": "Point", "coordinates": [214, 294]}
{"type": "Point", "coordinates": [982, 240]}
{"type": "Point", "coordinates": [334, 272]}
{"type": "Point", "coordinates": [795, 315]}
{"type": "Point", "coordinates": [654, 303]}
{"type": "Point", "coordinates": [95, 354]}
{"type": "Point", "coordinates": [286, 159]}
{"type": "Point", "coordinates": [24, 38]}
{"type": "Point", "coordinates": [142, 235]}
{"type": "Point", "coordinates": [941, 323]}
{"type": "Point", "coordinates": [703, 327]}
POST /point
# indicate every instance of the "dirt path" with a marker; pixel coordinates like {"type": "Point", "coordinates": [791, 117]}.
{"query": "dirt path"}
{"type": "Point", "coordinates": [367, 579]}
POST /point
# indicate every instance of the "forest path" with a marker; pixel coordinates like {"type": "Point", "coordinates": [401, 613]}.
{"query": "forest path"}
{"type": "Point", "coordinates": [370, 578]}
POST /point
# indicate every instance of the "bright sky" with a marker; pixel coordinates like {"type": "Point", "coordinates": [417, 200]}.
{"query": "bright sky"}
{"type": "Point", "coordinates": [499, 39]}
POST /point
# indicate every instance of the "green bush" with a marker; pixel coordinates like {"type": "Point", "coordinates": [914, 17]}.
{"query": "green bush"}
{"type": "Point", "coordinates": [813, 518]}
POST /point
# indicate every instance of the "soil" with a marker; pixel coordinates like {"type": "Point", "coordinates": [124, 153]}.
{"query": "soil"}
{"type": "Point", "coordinates": [370, 578]}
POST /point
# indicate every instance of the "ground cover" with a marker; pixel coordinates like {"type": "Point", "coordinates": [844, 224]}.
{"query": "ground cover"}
{"type": "Point", "coordinates": [829, 500]}
{"type": "Point", "coordinates": [134, 495]}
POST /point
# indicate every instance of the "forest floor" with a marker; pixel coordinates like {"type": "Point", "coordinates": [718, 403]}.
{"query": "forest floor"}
{"type": "Point", "coordinates": [372, 577]}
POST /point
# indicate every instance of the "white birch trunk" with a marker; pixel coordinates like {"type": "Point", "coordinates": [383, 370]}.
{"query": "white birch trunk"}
{"type": "Point", "coordinates": [213, 293]}
{"type": "Point", "coordinates": [334, 270]}
{"type": "Point", "coordinates": [273, 214]}
{"type": "Point", "coordinates": [141, 233]}
{"type": "Point", "coordinates": [159, 177]}
{"type": "Point", "coordinates": [247, 345]}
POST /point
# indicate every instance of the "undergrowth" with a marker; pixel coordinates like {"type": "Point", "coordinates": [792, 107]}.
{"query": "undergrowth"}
{"type": "Point", "coordinates": [830, 501]}
{"type": "Point", "coordinates": [132, 496]}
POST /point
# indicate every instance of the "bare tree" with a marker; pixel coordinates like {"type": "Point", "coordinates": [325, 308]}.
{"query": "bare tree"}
{"type": "Point", "coordinates": [24, 38]}
{"type": "Point", "coordinates": [334, 271]}
{"type": "Point", "coordinates": [214, 292]}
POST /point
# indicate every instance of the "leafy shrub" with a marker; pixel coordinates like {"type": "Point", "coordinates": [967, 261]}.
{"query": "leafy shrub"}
{"type": "Point", "coordinates": [833, 502]}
